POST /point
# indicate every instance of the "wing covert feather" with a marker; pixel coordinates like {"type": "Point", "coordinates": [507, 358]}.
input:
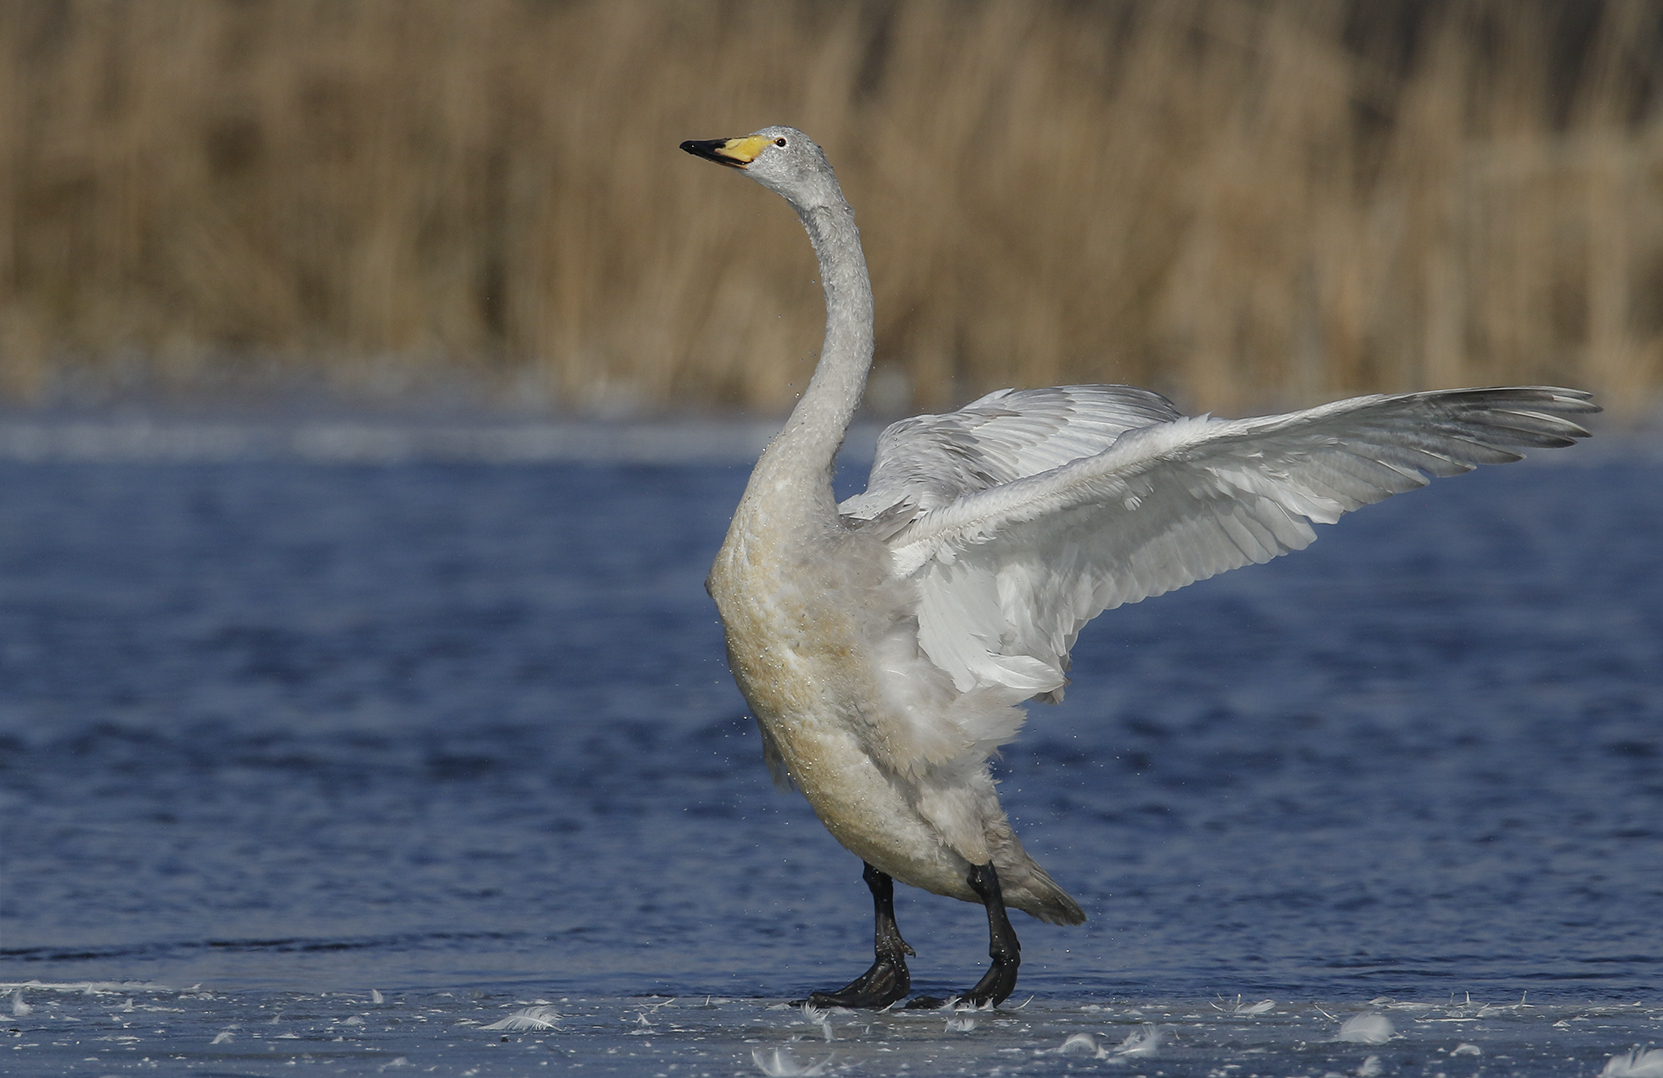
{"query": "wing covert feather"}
{"type": "Point", "coordinates": [927, 461]}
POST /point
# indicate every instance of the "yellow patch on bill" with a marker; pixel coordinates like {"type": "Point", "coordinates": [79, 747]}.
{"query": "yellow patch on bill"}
{"type": "Point", "coordinates": [743, 150]}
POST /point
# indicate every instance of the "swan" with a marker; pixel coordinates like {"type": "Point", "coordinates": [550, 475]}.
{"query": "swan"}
{"type": "Point", "coordinates": [885, 645]}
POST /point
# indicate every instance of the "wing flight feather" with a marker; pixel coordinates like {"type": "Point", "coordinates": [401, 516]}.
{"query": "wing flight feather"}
{"type": "Point", "coordinates": [1009, 569]}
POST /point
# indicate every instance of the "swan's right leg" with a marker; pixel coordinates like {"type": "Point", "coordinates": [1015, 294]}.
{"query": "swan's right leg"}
{"type": "Point", "coordinates": [1002, 945]}
{"type": "Point", "coordinates": [888, 979]}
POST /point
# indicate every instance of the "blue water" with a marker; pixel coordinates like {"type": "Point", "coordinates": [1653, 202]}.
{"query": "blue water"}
{"type": "Point", "coordinates": [281, 729]}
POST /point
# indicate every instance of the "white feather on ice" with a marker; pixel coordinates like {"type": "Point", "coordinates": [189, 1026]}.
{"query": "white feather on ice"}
{"type": "Point", "coordinates": [1640, 1063]}
{"type": "Point", "coordinates": [1367, 1028]}
{"type": "Point", "coordinates": [530, 1018]}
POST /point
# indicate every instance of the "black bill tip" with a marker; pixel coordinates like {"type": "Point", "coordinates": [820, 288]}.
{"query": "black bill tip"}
{"type": "Point", "coordinates": [710, 150]}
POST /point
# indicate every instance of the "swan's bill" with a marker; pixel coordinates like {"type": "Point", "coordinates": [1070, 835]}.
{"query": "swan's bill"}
{"type": "Point", "coordinates": [732, 152]}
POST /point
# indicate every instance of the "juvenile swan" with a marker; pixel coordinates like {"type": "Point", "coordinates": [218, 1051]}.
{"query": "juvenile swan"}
{"type": "Point", "coordinates": [885, 645]}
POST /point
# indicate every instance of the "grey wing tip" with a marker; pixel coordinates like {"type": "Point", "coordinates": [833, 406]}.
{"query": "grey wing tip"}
{"type": "Point", "coordinates": [1533, 416]}
{"type": "Point", "coordinates": [1573, 402]}
{"type": "Point", "coordinates": [1559, 397]}
{"type": "Point", "coordinates": [1544, 430]}
{"type": "Point", "coordinates": [1568, 401]}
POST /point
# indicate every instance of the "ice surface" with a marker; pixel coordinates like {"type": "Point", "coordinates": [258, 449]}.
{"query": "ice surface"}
{"type": "Point", "coordinates": [147, 1028]}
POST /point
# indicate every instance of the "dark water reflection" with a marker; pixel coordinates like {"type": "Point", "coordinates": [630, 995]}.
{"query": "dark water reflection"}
{"type": "Point", "coordinates": [295, 724]}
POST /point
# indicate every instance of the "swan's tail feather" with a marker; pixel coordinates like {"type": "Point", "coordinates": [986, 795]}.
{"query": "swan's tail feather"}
{"type": "Point", "coordinates": [1026, 886]}
{"type": "Point", "coordinates": [1042, 898]}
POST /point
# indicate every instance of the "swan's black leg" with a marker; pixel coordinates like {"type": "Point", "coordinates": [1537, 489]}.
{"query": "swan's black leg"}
{"type": "Point", "coordinates": [1002, 945]}
{"type": "Point", "coordinates": [888, 979]}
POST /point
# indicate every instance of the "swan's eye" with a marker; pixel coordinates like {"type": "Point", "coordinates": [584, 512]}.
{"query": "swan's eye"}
{"type": "Point", "coordinates": [779, 142]}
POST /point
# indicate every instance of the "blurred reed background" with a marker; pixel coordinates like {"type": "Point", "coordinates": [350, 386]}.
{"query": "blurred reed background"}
{"type": "Point", "coordinates": [1244, 204]}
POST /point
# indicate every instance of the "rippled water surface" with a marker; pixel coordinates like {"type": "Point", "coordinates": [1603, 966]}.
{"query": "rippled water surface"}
{"type": "Point", "coordinates": [275, 734]}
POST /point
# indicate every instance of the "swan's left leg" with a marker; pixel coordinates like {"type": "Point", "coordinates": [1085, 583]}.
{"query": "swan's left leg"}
{"type": "Point", "coordinates": [1002, 945]}
{"type": "Point", "coordinates": [888, 979]}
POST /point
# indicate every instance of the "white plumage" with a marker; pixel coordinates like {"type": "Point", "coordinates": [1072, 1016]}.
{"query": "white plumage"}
{"type": "Point", "coordinates": [886, 644]}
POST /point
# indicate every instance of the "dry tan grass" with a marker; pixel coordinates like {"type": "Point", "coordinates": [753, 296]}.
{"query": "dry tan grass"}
{"type": "Point", "coordinates": [1242, 203]}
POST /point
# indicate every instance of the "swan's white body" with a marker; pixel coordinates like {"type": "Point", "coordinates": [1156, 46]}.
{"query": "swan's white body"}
{"type": "Point", "coordinates": [886, 645]}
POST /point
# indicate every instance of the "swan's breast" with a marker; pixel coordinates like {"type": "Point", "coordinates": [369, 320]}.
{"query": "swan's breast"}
{"type": "Point", "coordinates": [796, 613]}
{"type": "Point", "coordinates": [793, 637]}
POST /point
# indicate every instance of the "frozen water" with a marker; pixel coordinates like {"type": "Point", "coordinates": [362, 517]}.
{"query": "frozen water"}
{"type": "Point", "coordinates": [296, 729]}
{"type": "Point", "coordinates": [141, 1028]}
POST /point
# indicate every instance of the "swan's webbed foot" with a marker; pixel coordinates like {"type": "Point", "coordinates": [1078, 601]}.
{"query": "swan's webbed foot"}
{"type": "Point", "coordinates": [1002, 946]}
{"type": "Point", "coordinates": [888, 980]}
{"type": "Point", "coordinates": [877, 988]}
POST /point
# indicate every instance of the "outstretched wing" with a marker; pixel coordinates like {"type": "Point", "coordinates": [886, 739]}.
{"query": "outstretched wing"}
{"type": "Point", "coordinates": [1007, 574]}
{"type": "Point", "coordinates": [927, 461]}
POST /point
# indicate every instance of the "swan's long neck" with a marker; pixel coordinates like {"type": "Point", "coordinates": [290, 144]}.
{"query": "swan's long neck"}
{"type": "Point", "coordinates": [796, 467]}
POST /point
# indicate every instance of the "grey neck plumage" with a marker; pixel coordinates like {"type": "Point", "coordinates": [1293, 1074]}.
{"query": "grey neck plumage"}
{"type": "Point", "coordinates": [799, 460]}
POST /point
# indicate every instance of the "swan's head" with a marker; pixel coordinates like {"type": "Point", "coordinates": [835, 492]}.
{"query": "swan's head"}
{"type": "Point", "coordinates": [782, 159]}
